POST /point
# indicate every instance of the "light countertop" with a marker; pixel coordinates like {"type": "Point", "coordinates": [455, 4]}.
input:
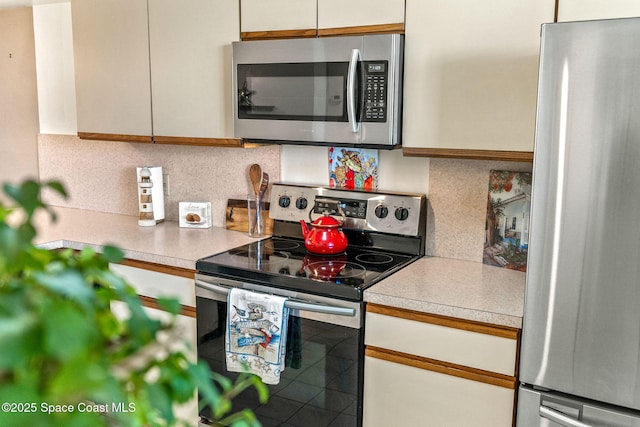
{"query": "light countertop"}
{"type": "Point", "coordinates": [448, 287]}
{"type": "Point", "coordinates": [455, 288]}
{"type": "Point", "coordinates": [165, 243]}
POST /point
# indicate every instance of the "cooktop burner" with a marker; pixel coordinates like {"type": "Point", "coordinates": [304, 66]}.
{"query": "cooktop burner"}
{"type": "Point", "coordinates": [284, 262]}
{"type": "Point", "coordinates": [281, 245]}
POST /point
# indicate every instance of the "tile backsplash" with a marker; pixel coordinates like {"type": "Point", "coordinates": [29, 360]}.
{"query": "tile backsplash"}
{"type": "Point", "coordinates": [458, 191]}
{"type": "Point", "coordinates": [101, 175]}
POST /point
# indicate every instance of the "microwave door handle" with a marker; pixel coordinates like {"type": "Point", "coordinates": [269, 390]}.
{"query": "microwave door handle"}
{"type": "Point", "coordinates": [351, 91]}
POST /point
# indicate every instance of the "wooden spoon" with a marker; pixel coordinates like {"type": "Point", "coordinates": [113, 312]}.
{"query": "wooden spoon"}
{"type": "Point", "coordinates": [264, 183]}
{"type": "Point", "coordinates": [255, 175]}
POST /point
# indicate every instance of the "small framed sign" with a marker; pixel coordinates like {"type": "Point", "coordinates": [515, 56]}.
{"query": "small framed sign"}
{"type": "Point", "coordinates": [507, 225]}
{"type": "Point", "coordinates": [353, 168]}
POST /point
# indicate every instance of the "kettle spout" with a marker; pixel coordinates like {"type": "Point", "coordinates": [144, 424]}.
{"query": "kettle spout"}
{"type": "Point", "coordinates": [304, 227]}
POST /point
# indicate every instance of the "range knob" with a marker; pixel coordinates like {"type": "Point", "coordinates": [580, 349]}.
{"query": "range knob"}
{"type": "Point", "coordinates": [301, 203]}
{"type": "Point", "coordinates": [402, 213]}
{"type": "Point", "coordinates": [381, 211]}
{"type": "Point", "coordinates": [284, 201]}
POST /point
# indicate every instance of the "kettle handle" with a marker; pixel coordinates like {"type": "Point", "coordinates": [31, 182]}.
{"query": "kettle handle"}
{"type": "Point", "coordinates": [329, 203]}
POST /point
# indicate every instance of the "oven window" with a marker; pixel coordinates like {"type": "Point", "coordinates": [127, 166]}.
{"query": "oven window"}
{"type": "Point", "coordinates": [297, 91]}
{"type": "Point", "coordinates": [321, 383]}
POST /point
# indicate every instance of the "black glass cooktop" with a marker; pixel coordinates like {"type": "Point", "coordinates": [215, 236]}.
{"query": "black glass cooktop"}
{"type": "Point", "coordinates": [285, 263]}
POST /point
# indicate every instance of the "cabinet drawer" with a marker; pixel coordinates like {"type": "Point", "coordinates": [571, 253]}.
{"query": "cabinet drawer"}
{"type": "Point", "coordinates": [401, 395]}
{"type": "Point", "coordinates": [155, 284]}
{"type": "Point", "coordinates": [466, 347]}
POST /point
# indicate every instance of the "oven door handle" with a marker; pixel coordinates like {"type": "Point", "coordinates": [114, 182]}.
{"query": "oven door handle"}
{"type": "Point", "coordinates": [290, 303]}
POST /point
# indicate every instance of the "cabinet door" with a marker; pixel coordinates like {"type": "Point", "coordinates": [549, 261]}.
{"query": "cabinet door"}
{"type": "Point", "coordinates": [278, 15]}
{"type": "Point", "coordinates": [111, 52]}
{"type": "Point", "coordinates": [155, 284]}
{"type": "Point", "coordinates": [582, 10]}
{"type": "Point", "coordinates": [471, 74]}
{"type": "Point", "coordinates": [190, 51]}
{"type": "Point", "coordinates": [354, 13]}
{"type": "Point", "coordinates": [401, 395]}
{"type": "Point", "coordinates": [188, 411]}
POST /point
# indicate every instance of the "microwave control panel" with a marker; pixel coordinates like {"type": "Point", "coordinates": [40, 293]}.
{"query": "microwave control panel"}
{"type": "Point", "coordinates": [375, 91]}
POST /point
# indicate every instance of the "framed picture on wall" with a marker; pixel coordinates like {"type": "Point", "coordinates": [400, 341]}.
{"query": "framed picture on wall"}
{"type": "Point", "coordinates": [507, 225]}
{"type": "Point", "coordinates": [353, 168]}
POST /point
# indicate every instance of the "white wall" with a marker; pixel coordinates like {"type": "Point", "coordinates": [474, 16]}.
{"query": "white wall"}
{"type": "Point", "coordinates": [18, 96]}
{"type": "Point", "coordinates": [310, 165]}
{"type": "Point", "coordinates": [55, 69]}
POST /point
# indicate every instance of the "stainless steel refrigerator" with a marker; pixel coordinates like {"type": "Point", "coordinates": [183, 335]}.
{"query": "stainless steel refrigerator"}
{"type": "Point", "coordinates": [580, 354]}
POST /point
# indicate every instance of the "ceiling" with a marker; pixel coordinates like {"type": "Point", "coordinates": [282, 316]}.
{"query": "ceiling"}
{"type": "Point", "coordinates": [6, 4]}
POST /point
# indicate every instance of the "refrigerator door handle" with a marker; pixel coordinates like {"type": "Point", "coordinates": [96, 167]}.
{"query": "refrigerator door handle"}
{"type": "Point", "coordinates": [560, 418]}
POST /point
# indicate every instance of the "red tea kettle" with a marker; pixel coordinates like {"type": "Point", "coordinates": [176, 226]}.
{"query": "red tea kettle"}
{"type": "Point", "coordinates": [324, 236]}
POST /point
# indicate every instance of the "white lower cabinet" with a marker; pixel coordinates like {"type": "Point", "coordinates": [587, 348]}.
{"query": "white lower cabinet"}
{"type": "Point", "coordinates": [436, 371]}
{"type": "Point", "coordinates": [156, 284]}
{"type": "Point", "coordinates": [400, 395]}
{"type": "Point", "coordinates": [150, 285]}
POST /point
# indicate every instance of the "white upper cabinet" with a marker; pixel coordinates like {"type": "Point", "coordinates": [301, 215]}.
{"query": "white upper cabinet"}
{"type": "Point", "coordinates": [307, 16]}
{"type": "Point", "coordinates": [582, 10]}
{"type": "Point", "coordinates": [277, 15]}
{"type": "Point", "coordinates": [111, 52]}
{"type": "Point", "coordinates": [158, 68]}
{"type": "Point", "coordinates": [471, 73]}
{"type": "Point", "coordinates": [356, 13]}
{"type": "Point", "coordinates": [190, 51]}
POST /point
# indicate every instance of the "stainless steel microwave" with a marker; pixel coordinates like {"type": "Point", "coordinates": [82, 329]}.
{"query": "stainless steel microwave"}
{"type": "Point", "coordinates": [333, 90]}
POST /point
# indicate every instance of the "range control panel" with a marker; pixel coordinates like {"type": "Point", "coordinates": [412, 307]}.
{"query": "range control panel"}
{"type": "Point", "coordinates": [336, 207]}
{"type": "Point", "coordinates": [394, 213]}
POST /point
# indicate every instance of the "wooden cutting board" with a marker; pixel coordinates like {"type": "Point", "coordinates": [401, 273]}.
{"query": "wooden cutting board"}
{"type": "Point", "coordinates": [237, 217]}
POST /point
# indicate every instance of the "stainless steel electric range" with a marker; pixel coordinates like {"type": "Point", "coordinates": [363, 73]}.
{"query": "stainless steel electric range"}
{"type": "Point", "coordinates": [322, 382]}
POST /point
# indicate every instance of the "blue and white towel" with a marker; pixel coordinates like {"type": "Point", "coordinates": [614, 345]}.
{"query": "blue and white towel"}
{"type": "Point", "coordinates": [256, 334]}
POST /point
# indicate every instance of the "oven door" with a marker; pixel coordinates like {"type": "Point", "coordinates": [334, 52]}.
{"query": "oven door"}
{"type": "Point", "coordinates": [322, 381]}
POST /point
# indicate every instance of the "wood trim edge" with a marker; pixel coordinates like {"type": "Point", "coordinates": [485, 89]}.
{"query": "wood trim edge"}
{"type": "Point", "coordinates": [115, 137]}
{"type": "Point", "coordinates": [278, 34]}
{"type": "Point", "coordinates": [512, 156]}
{"type": "Point", "coordinates": [160, 268]}
{"type": "Point", "coordinates": [451, 369]}
{"type": "Point", "coordinates": [396, 28]}
{"type": "Point", "coordinates": [185, 310]}
{"type": "Point", "coordinates": [208, 142]}
{"type": "Point", "coordinates": [449, 322]}
{"type": "Point", "coordinates": [393, 28]}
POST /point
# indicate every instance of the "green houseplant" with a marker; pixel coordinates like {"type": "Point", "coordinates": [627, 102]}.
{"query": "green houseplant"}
{"type": "Point", "coordinates": [66, 359]}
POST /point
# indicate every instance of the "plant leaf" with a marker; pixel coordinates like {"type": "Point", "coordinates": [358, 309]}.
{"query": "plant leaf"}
{"type": "Point", "coordinates": [18, 337]}
{"type": "Point", "coordinates": [58, 187]}
{"type": "Point", "coordinates": [112, 254]}
{"type": "Point", "coordinates": [68, 334]}
{"type": "Point", "coordinates": [172, 305]}
{"type": "Point", "coordinates": [69, 283]}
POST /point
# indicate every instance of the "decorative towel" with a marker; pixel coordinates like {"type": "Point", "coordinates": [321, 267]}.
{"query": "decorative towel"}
{"type": "Point", "coordinates": [256, 334]}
